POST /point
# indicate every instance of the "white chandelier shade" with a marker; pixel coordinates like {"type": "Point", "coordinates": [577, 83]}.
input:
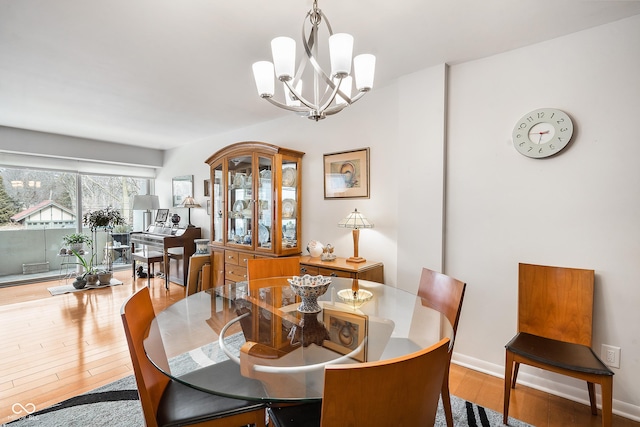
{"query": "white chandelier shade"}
{"type": "Point", "coordinates": [331, 93]}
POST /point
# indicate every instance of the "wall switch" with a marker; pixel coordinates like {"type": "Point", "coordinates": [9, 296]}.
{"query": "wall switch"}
{"type": "Point", "coordinates": [610, 355]}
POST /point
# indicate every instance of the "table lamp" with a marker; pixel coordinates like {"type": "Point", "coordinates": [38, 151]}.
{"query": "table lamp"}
{"type": "Point", "coordinates": [355, 220]}
{"type": "Point", "coordinates": [189, 202]}
{"type": "Point", "coordinates": [147, 203]}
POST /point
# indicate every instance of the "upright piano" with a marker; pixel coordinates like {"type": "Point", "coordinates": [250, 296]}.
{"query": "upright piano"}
{"type": "Point", "coordinates": [177, 244]}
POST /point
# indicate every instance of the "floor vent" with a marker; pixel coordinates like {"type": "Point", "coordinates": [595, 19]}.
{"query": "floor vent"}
{"type": "Point", "coordinates": [36, 267]}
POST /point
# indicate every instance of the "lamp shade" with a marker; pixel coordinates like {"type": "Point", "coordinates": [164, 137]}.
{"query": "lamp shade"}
{"type": "Point", "coordinates": [340, 51]}
{"type": "Point", "coordinates": [356, 221]}
{"type": "Point", "coordinates": [189, 202]}
{"type": "Point", "coordinates": [145, 202]}
{"type": "Point", "coordinates": [364, 68]}
{"type": "Point", "coordinates": [283, 50]}
{"type": "Point", "coordinates": [263, 75]}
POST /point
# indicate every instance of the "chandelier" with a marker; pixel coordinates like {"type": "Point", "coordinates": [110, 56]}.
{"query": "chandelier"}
{"type": "Point", "coordinates": [330, 93]}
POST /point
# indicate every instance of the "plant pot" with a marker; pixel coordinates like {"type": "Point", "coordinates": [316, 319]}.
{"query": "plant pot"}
{"type": "Point", "coordinates": [92, 279]}
{"type": "Point", "coordinates": [79, 283]}
{"type": "Point", "coordinates": [105, 278]}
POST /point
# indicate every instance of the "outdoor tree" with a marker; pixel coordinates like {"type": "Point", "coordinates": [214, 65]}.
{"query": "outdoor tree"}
{"type": "Point", "coordinates": [8, 205]}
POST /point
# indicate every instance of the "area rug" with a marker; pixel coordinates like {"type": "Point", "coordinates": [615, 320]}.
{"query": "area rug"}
{"type": "Point", "coordinates": [117, 405]}
{"type": "Point", "coordinates": [65, 289]}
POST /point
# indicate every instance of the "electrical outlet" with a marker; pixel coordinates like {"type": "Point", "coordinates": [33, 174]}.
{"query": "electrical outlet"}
{"type": "Point", "coordinates": [610, 355]}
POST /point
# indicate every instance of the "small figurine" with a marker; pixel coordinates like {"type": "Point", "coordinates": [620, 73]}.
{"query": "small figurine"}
{"type": "Point", "coordinates": [141, 273]}
{"type": "Point", "coordinates": [327, 253]}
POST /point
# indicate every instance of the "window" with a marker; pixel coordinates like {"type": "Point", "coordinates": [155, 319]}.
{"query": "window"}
{"type": "Point", "coordinates": [39, 207]}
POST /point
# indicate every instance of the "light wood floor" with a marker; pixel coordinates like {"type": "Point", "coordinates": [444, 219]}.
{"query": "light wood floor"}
{"type": "Point", "coordinates": [56, 347]}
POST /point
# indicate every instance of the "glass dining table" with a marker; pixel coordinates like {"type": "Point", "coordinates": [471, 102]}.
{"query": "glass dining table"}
{"type": "Point", "coordinates": [249, 340]}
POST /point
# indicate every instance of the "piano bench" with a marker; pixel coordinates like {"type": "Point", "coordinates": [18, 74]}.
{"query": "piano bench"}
{"type": "Point", "coordinates": [148, 257]}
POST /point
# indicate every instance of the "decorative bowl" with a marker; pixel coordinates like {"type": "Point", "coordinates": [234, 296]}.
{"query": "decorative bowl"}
{"type": "Point", "coordinates": [309, 288]}
{"type": "Point", "coordinates": [355, 299]}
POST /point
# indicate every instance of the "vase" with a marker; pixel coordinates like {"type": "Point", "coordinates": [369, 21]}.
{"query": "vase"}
{"type": "Point", "coordinates": [175, 219]}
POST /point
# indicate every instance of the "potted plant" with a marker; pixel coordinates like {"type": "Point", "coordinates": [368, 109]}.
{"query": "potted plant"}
{"type": "Point", "coordinates": [76, 240]}
{"type": "Point", "coordinates": [103, 218]}
{"type": "Point", "coordinates": [89, 275]}
{"type": "Point", "coordinates": [104, 277]}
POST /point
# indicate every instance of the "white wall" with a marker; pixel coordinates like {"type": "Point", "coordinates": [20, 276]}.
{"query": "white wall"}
{"type": "Point", "coordinates": [578, 209]}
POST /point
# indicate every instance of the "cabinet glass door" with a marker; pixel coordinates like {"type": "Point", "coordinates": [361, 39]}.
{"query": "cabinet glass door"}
{"type": "Point", "coordinates": [289, 204]}
{"type": "Point", "coordinates": [217, 201]}
{"type": "Point", "coordinates": [264, 205]}
{"type": "Point", "coordinates": [239, 201]}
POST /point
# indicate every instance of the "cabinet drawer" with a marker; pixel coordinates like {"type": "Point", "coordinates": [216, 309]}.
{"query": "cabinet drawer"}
{"type": "Point", "coordinates": [307, 269]}
{"type": "Point", "coordinates": [231, 257]}
{"type": "Point", "coordinates": [243, 258]}
{"type": "Point", "coordinates": [235, 273]}
{"type": "Point", "coordinates": [335, 273]}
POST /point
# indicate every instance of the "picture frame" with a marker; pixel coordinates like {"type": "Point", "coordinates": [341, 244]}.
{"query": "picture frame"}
{"type": "Point", "coordinates": [347, 331]}
{"type": "Point", "coordinates": [181, 188]}
{"type": "Point", "coordinates": [208, 207]}
{"type": "Point", "coordinates": [161, 216]}
{"type": "Point", "coordinates": [346, 174]}
{"type": "Point", "coordinates": [207, 188]}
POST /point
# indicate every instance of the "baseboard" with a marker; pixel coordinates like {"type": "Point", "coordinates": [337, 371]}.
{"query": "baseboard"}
{"type": "Point", "coordinates": [544, 382]}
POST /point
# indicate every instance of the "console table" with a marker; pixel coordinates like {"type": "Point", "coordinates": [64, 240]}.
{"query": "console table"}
{"type": "Point", "coordinates": [340, 267]}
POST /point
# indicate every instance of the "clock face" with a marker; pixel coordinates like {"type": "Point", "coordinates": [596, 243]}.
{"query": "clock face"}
{"type": "Point", "coordinates": [542, 133]}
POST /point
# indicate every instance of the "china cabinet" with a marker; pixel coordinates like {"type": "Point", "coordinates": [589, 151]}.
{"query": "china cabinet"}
{"type": "Point", "coordinates": [255, 206]}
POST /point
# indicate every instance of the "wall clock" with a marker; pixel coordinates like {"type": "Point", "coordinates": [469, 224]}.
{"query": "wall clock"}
{"type": "Point", "coordinates": [542, 133]}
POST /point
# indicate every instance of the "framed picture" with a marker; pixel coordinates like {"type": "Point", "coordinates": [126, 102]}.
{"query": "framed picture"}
{"type": "Point", "coordinates": [346, 174]}
{"type": "Point", "coordinates": [208, 207]}
{"type": "Point", "coordinates": [181, 187]}
{"type": "Point", "coordinates": [207, 187]}
{"type": "Point", "coordinates": [347, 331]}
{"type": "Point", "coordinates": [161, 216]}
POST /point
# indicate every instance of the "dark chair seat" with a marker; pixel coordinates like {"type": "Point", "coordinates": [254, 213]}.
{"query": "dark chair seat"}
{"type": "Point", "coordinates": [305, 415]}
{"type": "Point", "coordinates": [182, 405]}
{"type": "Point", "coordinates": [561, 354]}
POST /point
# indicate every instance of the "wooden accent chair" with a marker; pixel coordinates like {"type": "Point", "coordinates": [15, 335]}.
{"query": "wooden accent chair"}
{"type": "Point", "coordinates": [396, 392]}
{"type": "Point", "coordinates": [166, 402]}
{"type": "Point", "coordinates": [555, 312]}
{"type": "Point", "coordinates": [444, 294]}
{"type": "Point", "coordinates": [261, 268]}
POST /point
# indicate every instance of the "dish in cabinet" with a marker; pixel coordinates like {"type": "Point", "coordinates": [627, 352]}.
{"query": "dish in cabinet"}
{"type": "Point", "coordinates": [238, 180]}
{"type": "Point", "coordinates": [288, 208]}
{"type": "Point", "coordinates": [289, 177]}
{"type": "Point", "coordinates": [263, 234]}
{"type": "Point", "coordinates": [239, 206]}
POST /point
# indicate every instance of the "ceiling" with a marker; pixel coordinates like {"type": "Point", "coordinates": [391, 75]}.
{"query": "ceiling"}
{"type": "Point", "coordinates": [163, 73]}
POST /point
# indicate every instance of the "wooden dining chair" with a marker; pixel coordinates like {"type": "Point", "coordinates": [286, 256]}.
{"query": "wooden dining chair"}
{"type": "Point", "coordinates": [403, 391]}
{"type": "Point", "coordinates": [444, 294]}
{"type": "Point", "coordinates": [555, 320]}
{"type": "Point", "coordinates": [166, 402]}
{"type": "Point", "coordinates": [261, 268]}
